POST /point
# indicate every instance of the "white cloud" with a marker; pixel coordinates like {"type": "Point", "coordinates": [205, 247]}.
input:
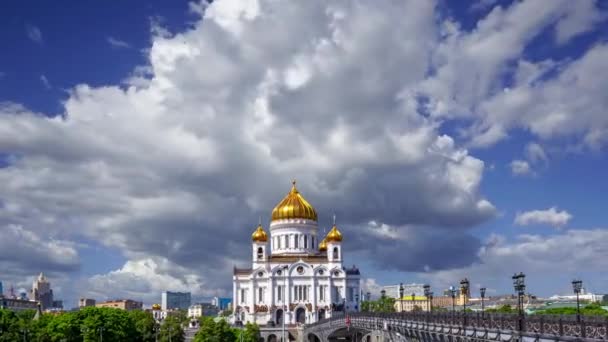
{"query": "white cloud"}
{"type": "Point", "coordinates": [581, 18]}
{"type": "Point", "coordinates": [550, 216]}
{"type": "Point", "coordinates": [33, 33]}
{"type": "Point", "coordinates": [535, 153]}
{"type": "Point", "coordinates": [550, 263]}
{"type": "Point", "coordinates": [45, 82]}
{"type": "Point", "coordinates": [117, 43]}
{"type": "Point", "coordinates": [520, 167]}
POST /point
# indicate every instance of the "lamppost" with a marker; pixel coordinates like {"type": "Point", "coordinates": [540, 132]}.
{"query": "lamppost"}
{"type": "Point", "coordinates": [482, 291]}
{"type": "Point", "coordinates": [401, 289]}
{"type": "Point", "coordinates": [382, 297]}
{"type": "Point", "coordinates": [452, 291]}
{"type": "Point", "coordinates": [427, 290]}
{"type": "Point", "coordinates": [24, 331]}
{"type": "Point", "coordinates": [464, 291]}
{"type": "Point", "coordinates": [577, 285]}
{"type": "Point", "coordinates": [520, 288]}
{"type": "Point", "coordinates": [156, 329]}
{"type": "Point", "coordinates": [101, 334]}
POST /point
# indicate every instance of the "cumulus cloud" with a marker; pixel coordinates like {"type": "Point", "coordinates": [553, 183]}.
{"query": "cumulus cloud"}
{"type": "Point", "coordinates": [520, 167]}
{"type": "Point", "coordinates": [548, 261]}
{"type": "Point", "coordinates": [23, 250]}
{"type": "Point", "coordinates": [45, 82]}
{"type": "Point", "coordinates": [117, 43]}
{"type": "Point", "coordinates": [33, 33]}
{"type": "Point", "coordinates": [550, 216]}
{"type": "Point", "coordinates": [174, 166]}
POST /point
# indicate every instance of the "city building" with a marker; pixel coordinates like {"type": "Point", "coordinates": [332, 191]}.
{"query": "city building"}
{"type": "Point", "coordinates": [584, 295]}
{"type": "Point", "coordinates": [42, 292]}
{"type": "Point", "coordinates": [175, 300]}
{"type": "Point", "coordinates": [122, 304]}
{"type": "Point", "coordinates": [418, 303]}
{"type": "Point", "coordinates": [16, 304]}
{"type": "Point", "coordinates": [392, 291]}
{"type": "Point", "coordinates": [221, 303]}
{"type": "Point", "coordinates": [57, 304]}
{"type": "Point", "coordinates": [84, 302]}
{"type": "Point", "coordinates": [296, 275]}
{"type": "Point", "coordinates": [1, 290]}
{"type": "Point", "coordinates": [203, 309]}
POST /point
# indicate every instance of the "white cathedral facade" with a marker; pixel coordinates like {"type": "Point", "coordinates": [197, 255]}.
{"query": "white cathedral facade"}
{"type": "Point", "coordinates": [295, 276]}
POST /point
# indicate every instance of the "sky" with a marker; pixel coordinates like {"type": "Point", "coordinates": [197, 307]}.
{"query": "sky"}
{"type": "Point", "coordinates": [141, 141]}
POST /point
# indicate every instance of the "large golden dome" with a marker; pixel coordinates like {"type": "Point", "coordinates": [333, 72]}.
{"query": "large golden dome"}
{"type": "Point", "coordinates": [259, 235]}
{"type": "Point", "coordinates": [334, 235]}
{"type": "Point", "coordinates": [294, 206]}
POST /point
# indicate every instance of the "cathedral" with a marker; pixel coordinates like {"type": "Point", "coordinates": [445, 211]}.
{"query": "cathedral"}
{"type": "Point", "coordinates": [296, 276]}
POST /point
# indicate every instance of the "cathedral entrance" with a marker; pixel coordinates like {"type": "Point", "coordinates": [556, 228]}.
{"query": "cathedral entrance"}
{"type": "Point", "coordinates": [322, 314]}
{"type": "Point", "coordinates": [279, 315]}
{"type": "Point", "coordinates": [301, 315]}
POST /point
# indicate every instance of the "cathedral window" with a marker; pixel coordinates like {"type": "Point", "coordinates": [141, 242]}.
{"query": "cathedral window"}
{"type": "Point", "coordinates": [260, 252]}
{"type": "Point", "coordinates": [279, 293]}
{"type": "Point", "coordinates": [242, 295]}
{"type": "Point", "coordinates": [296, 241]}
{"type": "Point", "coordinates": [261, 294]}
{"type": "Point", "coordinates": [336, 253]}
{"type": "Point", "coordinates": [286, 241]}
{"type": "Point", "coordinates": [305, 241]}
{"type": "Point", "coordinates": [322, 290]}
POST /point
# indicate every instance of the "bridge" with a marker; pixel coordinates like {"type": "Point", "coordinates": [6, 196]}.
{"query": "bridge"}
{"type": "Point", "coordinates": [456, 327]}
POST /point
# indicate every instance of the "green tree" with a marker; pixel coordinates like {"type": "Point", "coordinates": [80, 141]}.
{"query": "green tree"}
{"type": "Point", "coordinates": [171, 329]}
{"type": "Point", "coordinates": [211, 331]}
{"type": "Point", "coordinates": [144, 325]}
{"type": "Point", "coordinates": [502, 309]}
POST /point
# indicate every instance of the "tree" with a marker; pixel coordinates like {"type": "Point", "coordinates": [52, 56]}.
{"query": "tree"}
{"type": "Point", "coordinates": [144, 325]}
{"type": "Point", "coordinates": [503, 309]}
{"type": "Point", "coordinates": [172, 330]}
{"type": "Point", "coordinates": [210, 331]}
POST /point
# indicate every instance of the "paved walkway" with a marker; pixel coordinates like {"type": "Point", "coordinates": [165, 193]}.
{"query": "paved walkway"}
{"type": "Point", "coordinates": [189, 333]}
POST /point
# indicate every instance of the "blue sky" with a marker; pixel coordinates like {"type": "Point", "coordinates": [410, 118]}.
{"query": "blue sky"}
{"type": "Point", "coordinates": [140, 141]}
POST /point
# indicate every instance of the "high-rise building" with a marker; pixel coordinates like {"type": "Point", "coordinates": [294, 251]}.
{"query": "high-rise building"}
{"type": "Point", "coordinates": [175, 300]}
{"type": "Point", "coordinates": [221, 303]}
{"type": "Point", "coordinates": [84, 302]}
{"type": "Point", "coordinates": [42, 292]}
{"type": "Point", "coordinates": [1, 290]}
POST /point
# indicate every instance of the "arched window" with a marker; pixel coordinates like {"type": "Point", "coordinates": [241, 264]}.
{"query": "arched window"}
{"type": "Point", "coordinates": [296, 241]}
{"type": "Point", "coordinates": [305, 241]}
{"type": "Point", "coordinates": [335, 252]}
{"type": "Point", "coordinates": [312, 242]}
{"type": "Point", "coordinates": [260, 252]}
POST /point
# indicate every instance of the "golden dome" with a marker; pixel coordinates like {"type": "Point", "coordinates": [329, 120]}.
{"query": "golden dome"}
{"type": "Point", "coordinates": [155, 307]}
{"type": "Point", "coordinates": [334, 235]}
{"type": "Point", "coordinates": [259, 235]}
{"type": "Point", "coordinates": [294, 206]}
{"type": "Point", "coordinates": [323, 245]}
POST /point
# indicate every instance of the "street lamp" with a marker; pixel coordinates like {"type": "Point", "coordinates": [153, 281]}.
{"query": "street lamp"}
{"type": "Point", "coordinates": [401, 289]}
{"type": "Point", "coordinates": [452, 291]}
{"type": "Point", "coordinates": [427, 290]}
{"type": "Point", "coordinates": [577, 286]}
{"type": "Point", "coordinates": [464, 291]}
{"type": "Point", "coordinates": [520, 288]}
{"type": "Point", "coordinates": [482, 291]}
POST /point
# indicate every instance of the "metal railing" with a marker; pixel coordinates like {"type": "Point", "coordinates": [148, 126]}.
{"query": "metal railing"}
{"type": "Point", "coordinates": [589, 327]}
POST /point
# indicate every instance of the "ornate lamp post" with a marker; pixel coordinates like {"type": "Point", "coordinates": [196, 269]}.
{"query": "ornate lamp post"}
{"type": "Point", "coordinates": [452, 291]}
{"type": "Point", "coordinates": [482, 291]}
{"type": "Point", "coordinates": [427, 290]}
{"type": "Point", "coordinates": [401, 289]}
{"type": "Point", "coordinates": [520, 288]}
{"type": "Point", "coordinates": [464, 291]}
{"type": "Point", "coordinates": [577, 286]}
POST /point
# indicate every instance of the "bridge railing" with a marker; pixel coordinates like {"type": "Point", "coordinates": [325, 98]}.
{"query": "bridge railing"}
{"type": "Point", "coordinates": [589, 327]}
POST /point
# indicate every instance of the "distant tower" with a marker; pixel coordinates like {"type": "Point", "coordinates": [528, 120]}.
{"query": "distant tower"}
{"type": "Point", "coordinates": [42, 292]}
{"type": "Point", "coordinates": [259, 240]}
{"type": "Point", "coordinates": [1, 290]}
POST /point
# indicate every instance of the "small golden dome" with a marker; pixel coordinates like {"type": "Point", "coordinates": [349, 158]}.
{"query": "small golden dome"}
{"type": "Point", "coordinates": [323, 245]}
{"type": "Point", "coordinates": [259, 235]}
{"type": "Point", "coordinates": [156, 307]}
{"type": "Point", "coordinates": [334, 235]}
{"type": "Point", "coordinates": [294, 206]}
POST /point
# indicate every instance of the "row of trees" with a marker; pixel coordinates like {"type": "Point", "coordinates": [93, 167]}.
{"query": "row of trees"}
{"type": "Point", "coordinates": [219, 331]}
{"type": "Point", "coordinates": [89, 325]}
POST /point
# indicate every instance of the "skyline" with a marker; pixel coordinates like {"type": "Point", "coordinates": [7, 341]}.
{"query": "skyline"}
{"type": "Point", "coordinates": [141, 144]}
